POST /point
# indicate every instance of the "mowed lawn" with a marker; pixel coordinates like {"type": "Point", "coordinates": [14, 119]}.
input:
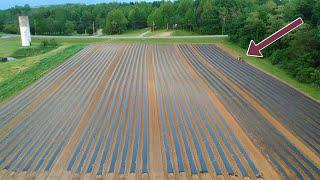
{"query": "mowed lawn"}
{"type": "Point", "coordinates": [9, 45]}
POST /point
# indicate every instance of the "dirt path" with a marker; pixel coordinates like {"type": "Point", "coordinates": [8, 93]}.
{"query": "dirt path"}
{"type": "Point", "coordinates": [142, 35]}
{"type": "Point", "coordinates": [156, 154]}
{"type": "Point", "coordinates": [164, 34]}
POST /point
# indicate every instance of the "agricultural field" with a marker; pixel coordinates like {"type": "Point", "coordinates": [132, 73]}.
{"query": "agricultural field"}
{"type": "Point", "coordinates": [142, 111]}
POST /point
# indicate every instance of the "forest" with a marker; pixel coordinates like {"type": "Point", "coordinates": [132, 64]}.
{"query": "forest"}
{"type": "Point", "coordinates": [298, 53]}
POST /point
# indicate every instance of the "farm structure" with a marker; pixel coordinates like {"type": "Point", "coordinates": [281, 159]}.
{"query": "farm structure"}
{"type": "Point", "coordinates": [159, 112]}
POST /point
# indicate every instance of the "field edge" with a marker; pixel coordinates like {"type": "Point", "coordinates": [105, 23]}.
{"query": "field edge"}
{"type": "Point", "coordinates": [264, 66]}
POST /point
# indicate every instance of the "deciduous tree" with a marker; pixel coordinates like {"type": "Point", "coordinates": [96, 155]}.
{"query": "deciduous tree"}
{"type": "Point", "coordinates": [116, 22]}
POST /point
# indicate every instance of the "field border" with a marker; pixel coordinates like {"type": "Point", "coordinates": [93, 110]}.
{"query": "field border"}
{"type": "Point", "coordinates": [233, 53]}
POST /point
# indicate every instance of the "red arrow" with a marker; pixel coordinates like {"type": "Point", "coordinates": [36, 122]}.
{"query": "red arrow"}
{"type": "Point", "coordinates": [255, 49]}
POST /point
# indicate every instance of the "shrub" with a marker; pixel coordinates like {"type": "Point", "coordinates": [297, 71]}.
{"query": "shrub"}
{"type": "Point", "coordinates": [3, 59]}
{"type": "Point", "coordinates": [49, 43]}
{"type": "Point", "coordinates": [305, 75]}
{"type": "Point", "coordinates": [316, 76]}
{"type": "Point", "coordinates": [10, 29]}
{"type": "Point", "coordinates": [45, 46]}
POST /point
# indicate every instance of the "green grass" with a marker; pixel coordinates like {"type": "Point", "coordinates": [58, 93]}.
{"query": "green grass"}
{"type": "Point", "coordinates": [10, 45]}
{"type": "Point", "coordinates": [10, 69]}
{"type": "Point", "coordinates": [132, 33]}
{"type": "Point", "coordinates": [265, 65]}
{"type": "Point", "coordinates": [21, 80]}
{"type": "Point", "coordinates": [73, 41]}
{"type": "Point", "coordinates": [31, 51]}
{"type": "Point", "coordinates": [178, 32]}
{"type": "Point", "coordinates": [168, 41]}
{"type": "Point", "coordinates": [183, 33]}
{"type": "Point", "coordinates": [157, 32]}
{"type": "Point", "coordinates": [17, 75]}
{"type": "Point", "coordinates": [85, 41]}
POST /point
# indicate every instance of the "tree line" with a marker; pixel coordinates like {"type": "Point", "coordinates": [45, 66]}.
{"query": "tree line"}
{"type": "Point", "coordinates": [298, 53]}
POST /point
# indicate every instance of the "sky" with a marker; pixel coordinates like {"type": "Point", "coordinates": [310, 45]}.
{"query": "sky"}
{"type": "Point", "coordinates": [5, 4]}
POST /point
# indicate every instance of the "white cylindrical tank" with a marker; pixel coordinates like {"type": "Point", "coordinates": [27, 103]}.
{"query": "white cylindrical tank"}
{"type": "Point", "coordinates": [25, 30]}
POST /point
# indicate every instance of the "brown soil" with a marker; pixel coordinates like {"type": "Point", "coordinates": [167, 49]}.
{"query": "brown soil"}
{"type": "Point", "coordinates": [164, 34]}
{"type": "Point", "coordinates": [156, 153]}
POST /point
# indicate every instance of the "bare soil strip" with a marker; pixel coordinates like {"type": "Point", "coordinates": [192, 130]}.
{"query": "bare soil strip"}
{"type": "Point", "coordinates": [156, 150]}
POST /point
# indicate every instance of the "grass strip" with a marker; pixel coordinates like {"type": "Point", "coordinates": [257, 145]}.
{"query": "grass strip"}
{"type": "Point", "coordinates": [181, 32]}
{"type": "Point", "coordinates": [199, 40]}
{"type": "Point", "coordinates": [265, 65]}
{"type": "Point", "coordinates": [32, 51]}
{"type": "Point", "coordinates": [15, 84]}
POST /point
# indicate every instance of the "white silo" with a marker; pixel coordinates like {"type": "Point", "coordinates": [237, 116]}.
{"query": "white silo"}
{"type": "Point", "coordinates": [25, 30]}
